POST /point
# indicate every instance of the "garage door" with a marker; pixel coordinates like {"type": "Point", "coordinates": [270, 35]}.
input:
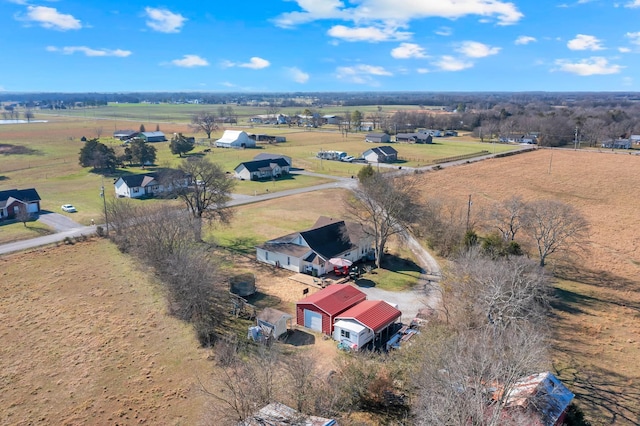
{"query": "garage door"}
{"type": "Point", "coordinates": [313, 320]}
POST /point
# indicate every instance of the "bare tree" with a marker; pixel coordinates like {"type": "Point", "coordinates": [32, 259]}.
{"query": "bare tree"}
{"type": "Point", "coordinates": [443, 223]}
{"type": "Point", "coordinates": [22, 215]}
{"type": "Point", "coordinates": [507, 217]}
{"type": "Point", "coordinates": [204, 122]}
{"type": "Point", "coordinates": [28, 115]}
{"type": "Point", "coordinates": [98, 131]}
{"type": "Point", "coordinates": [207, 195]}
{"type": "Point", "coordinates": [384, 206]}
{"type": "Point", "coordinates": [555, 227]}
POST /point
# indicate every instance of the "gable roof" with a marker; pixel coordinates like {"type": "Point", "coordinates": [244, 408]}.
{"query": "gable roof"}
{"type": "Point", "coordinates": [375, 135]}
{"type": "Point", "coordinates": [328, 240]}
{"type": "Point", "coordinates": [272, 316]}
{"type": "Point", "coordinates": [152, 134]}
{"type": "Point", "coordinates": [255, 165]}
{"type": "Point", "coordinates": [233, 135]}
{"type": "Point", "coordinates": [335, 298]}
{"type": "Point", "coordinates": [374, 314]}
{"type": "Point", "coordinates": [267, 156]}
{"type": "Point", "coordinates": [387, 150]}
{"type": "Point", "coordinates": [134, 181]}
{"type": "Point", "coordinates": [24, 195]}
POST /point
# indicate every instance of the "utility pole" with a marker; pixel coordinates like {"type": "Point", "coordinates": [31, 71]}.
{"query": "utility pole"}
{"type": "Point", "coordinates": [104, 203]}
{"type": "Point", "coordinates": [575, 139]}
{"type": "Point", "coordinates": [468, 211]}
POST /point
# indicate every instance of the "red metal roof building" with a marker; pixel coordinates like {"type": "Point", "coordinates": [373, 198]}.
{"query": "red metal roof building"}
{"type": "Point", "coordinates": [376, 315]}
{"type": "Point", "coordinates": [319, 310]}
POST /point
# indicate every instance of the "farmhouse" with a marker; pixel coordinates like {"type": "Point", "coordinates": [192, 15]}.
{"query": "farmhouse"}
{"type": "Point", "coordinates": [364, 322]}
{"type": "Point", "coordinates": [382, 154]}
{"type": "Point", "coordinates": [414, 137]}
{"type": "Point", "coordinates": [235, 139]}
{"type": "Point", "coordinates": [13, 201]}
{"type": "Point", "coordinates": [541, 397]}
{"type": "Point", "coordinates": [266, 156]}
{"type": "Point", "coordinates": [318, 311]}
{"type": "Point", "coordinates": [151, 136]}
{"type": "Point", "coordinates": [144, 185]}
{"type": "Point", "coordinates": [309, 251]}
{"type": "Point", "coordinates": [262, 169]}
{"type": "Point", "coordinates": [377, 138]}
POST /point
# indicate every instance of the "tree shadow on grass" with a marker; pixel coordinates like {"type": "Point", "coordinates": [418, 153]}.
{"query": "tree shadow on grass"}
{"type": "Point", "coordinates": [10, 149]}
{"type": "Point", "coordinates": [610, 395]}
{"type": "Point", "coordinates": [365, 283]}
{"type": "Point", "coordinates": [262, 300]}
{"type": "Point", "coordinates": [400, 265]}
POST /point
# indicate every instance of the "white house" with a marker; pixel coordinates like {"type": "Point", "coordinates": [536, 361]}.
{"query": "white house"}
{"type": "Point", "coordinates": [262, 169]}
{"type": "Point", "coordinates": [381, 154]}
{"type": "Point", "coordinates": [309, 251]}
{"type": "Point", "coordinates": [235, 139]}
{"type": "Point", "coordinates": [361, 324]}
{"type": "Point", "coordinates": [144, 185]}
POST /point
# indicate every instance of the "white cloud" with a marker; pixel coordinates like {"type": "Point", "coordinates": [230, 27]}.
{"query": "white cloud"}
{"type": "Point", "coordinates": [408, 50]}
{"type": "Point", "coordinates": [190, 61]}
{"type": "Point", "coordinates": [525, 40]}
{"type": "Point", "coordinates": [474, 49]}
{"type": "Point", "coordinates": [49, 17]}
{"type": "Point", "coordinates": [449, 63]}
{"type": "Point", "coordinates": [444, 31]}
{"type": "Point", "coordinates": [88, 51]}
{"type": "Point", "coordinates": [298, 75]}
{"type": "Point", "coordinates": [633, 37]}
{"type": "Point", "coordinates": [361, 74]}
{"type": "Point", "coordinates": [371, 34]}
{"type": "Point", "coordinates": [423, 70]}
{"type": "Point", "coordinates": [633, 4]}
{"type": "Point", "coordinates": [255, 63]}
{"type": "Point", "coordinates": [504, 12]}
{"type": "Point", "coordinates": [163, 20]}
{"type": "Point", "coordinates": [624, 50]}
{"type": "Point", "coordinates": [595, 65]}
{"type": "Point", "coordinates": [585, 42]}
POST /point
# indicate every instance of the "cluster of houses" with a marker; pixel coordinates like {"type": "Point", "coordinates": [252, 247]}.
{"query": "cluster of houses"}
{"type": "Point", "coordinates": [419, 136]}
{"type": "Point", "coordinates": [125, 135]}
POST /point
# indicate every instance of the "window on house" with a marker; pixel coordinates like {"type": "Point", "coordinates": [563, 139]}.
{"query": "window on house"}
{"type": "Point", "coordinates": [345, 334]}
{"type": "Point", "coordinates": [288, 260]}
{"type": "Point", "coordinates": [266, 255]}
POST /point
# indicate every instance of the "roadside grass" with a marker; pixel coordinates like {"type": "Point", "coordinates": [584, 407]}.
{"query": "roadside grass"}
{"type": "Point", "coordinates": [16, 231]}
{"type": "Point", "coordinates": [398, 272]}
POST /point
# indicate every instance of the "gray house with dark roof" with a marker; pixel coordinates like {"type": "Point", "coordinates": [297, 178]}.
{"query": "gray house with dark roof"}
{"type": "Point", "coordinates": [267, 156]}
{"type": "Point", "coordinates": [262, 169]}
{"type": "Point", "coordinates": [309, 251]}
{"type": "Point", "coordinates": [414, 137]}
{"type": "Point", "coordinates": [377, 138]}
{"type": "Point", "coordinates": [13, 201]}
{"type": "Point", "coordinates": [381, 154]}
{"type": "Point", "coordinates": [145, 185]}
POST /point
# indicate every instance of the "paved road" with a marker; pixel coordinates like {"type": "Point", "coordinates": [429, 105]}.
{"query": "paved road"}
{"type": "Point", "coordinates": [57, 221]}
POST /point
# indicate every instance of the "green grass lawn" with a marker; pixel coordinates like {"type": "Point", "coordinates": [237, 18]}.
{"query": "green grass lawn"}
{"type": "Point", "coordinates": [16, 231]}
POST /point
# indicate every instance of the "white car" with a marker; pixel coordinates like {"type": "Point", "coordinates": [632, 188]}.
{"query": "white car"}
{"type": "Point", "coordinates": [68, 208]}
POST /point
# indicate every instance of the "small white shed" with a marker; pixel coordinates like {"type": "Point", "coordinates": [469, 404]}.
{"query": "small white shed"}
{"type": "Point", "coordinates": [274, 322]}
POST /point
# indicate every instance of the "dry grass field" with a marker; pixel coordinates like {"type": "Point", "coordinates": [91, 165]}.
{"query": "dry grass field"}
{"type": "Point", "coordinates": [596, 345]}
{"type": "Point", "coordinates": [85, 340]}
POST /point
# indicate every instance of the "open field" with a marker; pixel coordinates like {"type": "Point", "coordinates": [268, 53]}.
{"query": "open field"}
{"type": "Point", "coordinates": [88, 342]}
{"type": "Point", "coordinates": [596, 347]}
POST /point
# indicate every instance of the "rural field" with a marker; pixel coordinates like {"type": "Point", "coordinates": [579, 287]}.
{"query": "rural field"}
{"type": "Point", "coordinates": [90, 342]}
{"type": "Point", "coordinates": [596, 316]}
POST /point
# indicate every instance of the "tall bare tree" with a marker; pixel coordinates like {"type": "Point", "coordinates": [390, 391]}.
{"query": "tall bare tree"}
{"type": "Point", "coordinates": [507, 217]}
{"type": "Point", "coordinates": [207, 195]}
{"type": "Point", "coordinates": [555, 227]}
{"type": "Point", "coordinates": [204, 121]}
{"type": "Point", "coordinates": [384, 206]}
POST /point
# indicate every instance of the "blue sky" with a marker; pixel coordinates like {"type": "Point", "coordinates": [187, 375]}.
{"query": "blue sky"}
{"type": "Point", "coordinates": [319, 45]}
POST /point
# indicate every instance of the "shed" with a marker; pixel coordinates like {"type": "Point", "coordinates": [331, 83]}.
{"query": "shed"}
{"type": "Point", "coordinates": [152, 136]}
{"type": "Point", "coordinates": [123, 135]}
{"type": "Point", "coordinates": [277, 414]}
{"type": "Point", "coordinates": [235, 139]}
{"type": "Point", "coordinates": [377, 138]}
{"type": "Point", "coordinates": [363, 322]}
{"type": "Point", "coordinates": [274, 322]}
{"type": "Point", "coordinates": [318, 311]}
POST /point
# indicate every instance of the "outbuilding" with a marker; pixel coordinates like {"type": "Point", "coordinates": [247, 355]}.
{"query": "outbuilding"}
{"type": "Point", "coordinates": [235, 139]}
{"type": "Point", "coordinates": [273, 322]}
{"type": "Point", "coordinates": [377, 138]}
{"type": "Point", "coordinates": [318, 311]}
{"type": "Point", "coordinates": [364, 322]}
{"type": "Point", "coordinates": [152, 136]}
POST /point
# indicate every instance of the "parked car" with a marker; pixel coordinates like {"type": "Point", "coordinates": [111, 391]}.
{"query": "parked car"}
{"type": "Point", "coordinates": [347, 159]}
{"type": "Point", "coordinates": [68, 208]}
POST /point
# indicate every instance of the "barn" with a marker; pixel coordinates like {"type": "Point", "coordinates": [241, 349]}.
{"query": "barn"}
{"type": "Point", "coordinates": [318, 310]}
{"type": "Point", "coordinates": [152, 136]}
{"type": "Point", "coordinates": [235, 139]}
{"type": "Point", "coordinates": [364, 322]}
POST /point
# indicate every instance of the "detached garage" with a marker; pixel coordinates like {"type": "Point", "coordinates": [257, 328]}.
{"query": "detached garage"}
{"type": "Point", "coordinates": [318, 311]}
{"type": "Point", "coordinates": [364, 322]}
